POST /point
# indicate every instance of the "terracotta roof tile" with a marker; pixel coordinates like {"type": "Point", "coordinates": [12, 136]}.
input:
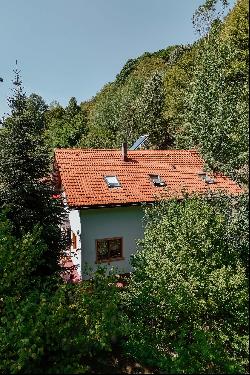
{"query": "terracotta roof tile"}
{"type": "Point", "coordinates": [82, 173]}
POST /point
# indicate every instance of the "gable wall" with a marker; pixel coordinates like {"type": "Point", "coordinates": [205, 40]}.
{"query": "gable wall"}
{"type": "Point", "coordinates": [75, 226]}
{"type": "Point", "coordinates": [125, 222]}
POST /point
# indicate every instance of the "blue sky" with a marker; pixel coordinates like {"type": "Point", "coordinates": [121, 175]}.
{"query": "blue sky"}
{"type": "Point", "coordinates": [71, 48]}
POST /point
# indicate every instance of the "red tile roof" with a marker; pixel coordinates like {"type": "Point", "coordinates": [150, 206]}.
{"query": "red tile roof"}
{"type": "Point", "coordinates": [82, 173]}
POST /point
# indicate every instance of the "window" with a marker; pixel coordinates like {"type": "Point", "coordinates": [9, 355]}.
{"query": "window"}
{"type": "Point", "coordinates": [74, 241]}
{"type": "Point", "coordinates": [108, 250]}
{"type": "Point", "coordinates": [156, 179]}
{"type": "Point", "coordinates": [112, 181]}
{"type": "Point", "coordinates": [208, 180]}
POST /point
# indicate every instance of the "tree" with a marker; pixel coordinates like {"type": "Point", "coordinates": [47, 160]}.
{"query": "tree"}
{"type": "Point", "coordinates": [150, 111]}
{"type": "Point", "coordinates": [25, 187]}
{"type": "Point", "coordinates": [19, 259]}
{"type": "Point", "coordinates": [215, 119]}
{"type": "Point", "coordinates": [124, 112]}
{"type": "Point", "coordinates": [207, 14]}
{"type": "Point", "coordinates": [187, 300]}
{"type": "Point", "coordinates": [47, 326]}
{"type": "Point", "coordinates": [177, 78]}
{"type": "Point", "coordinates": [65, 127]}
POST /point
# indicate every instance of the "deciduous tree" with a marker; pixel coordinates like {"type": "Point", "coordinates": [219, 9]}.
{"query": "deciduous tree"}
{"type": "Point", "coordinates": [187, 301]}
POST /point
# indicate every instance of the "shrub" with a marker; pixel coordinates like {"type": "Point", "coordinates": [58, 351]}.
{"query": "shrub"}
{"type": "Point", "coordinates": [58, 331]}
{"type": "Point", "coordinates": [187, 303]}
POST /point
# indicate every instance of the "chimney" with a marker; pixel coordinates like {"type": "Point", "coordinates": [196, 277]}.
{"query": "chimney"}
{"type": "Point", "coordinates": [124, 151]}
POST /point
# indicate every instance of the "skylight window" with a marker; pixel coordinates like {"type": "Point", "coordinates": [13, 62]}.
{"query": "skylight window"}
{"type": "Point", "coordinates": [112, 181]}
{"type": "Point", "coordinates": [156, 179]}
{"type": "Point", "coordinates": [208, 180]}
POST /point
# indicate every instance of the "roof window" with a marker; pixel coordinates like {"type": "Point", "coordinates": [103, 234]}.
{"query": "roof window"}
{"type": "Point", "coordinates": [156, 179]}
{"type": "Point", "coordinates": [208, 180]}
{"type": "Point", "coordinates": [112, 181]}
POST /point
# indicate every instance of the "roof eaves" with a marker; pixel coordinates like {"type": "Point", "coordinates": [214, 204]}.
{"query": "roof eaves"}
{"type": "Point", "coordinates": [109, 205]}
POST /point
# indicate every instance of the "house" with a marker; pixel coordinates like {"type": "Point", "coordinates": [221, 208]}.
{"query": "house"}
{"type": "Point", "coordinates": [104, 190]}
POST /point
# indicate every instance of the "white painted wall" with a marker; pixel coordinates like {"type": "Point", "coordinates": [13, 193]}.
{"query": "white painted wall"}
{"type": "Point", "coordinates": [125, 222]}
{"type": "Point", "coordinates": [75, 224]}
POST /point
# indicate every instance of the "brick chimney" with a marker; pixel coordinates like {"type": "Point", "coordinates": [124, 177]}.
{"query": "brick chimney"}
{"type": "Point", "coordinates": [124, 151]}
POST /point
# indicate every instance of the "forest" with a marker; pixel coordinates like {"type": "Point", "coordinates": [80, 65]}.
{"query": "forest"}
{"type": "Point", "coordinates": [185, 311]}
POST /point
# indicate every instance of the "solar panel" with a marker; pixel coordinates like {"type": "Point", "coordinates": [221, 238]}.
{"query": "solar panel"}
{"type": "Point", "coordinates": [139, 142]}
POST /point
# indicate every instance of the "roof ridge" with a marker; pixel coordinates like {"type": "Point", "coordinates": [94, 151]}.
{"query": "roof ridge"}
{"type": "Point", "coordinates": [119, 150]}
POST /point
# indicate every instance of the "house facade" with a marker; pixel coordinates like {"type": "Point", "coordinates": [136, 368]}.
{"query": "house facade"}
{"type": "Point", "coordinates": [105, 236]}
{"type": "Point", "coordinates": [104, 191]}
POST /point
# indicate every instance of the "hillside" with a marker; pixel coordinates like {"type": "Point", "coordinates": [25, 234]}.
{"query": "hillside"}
{"type": "Point", "coordinates": [183, 306]}
{"type": "Point", "coordinates": [182, 96]}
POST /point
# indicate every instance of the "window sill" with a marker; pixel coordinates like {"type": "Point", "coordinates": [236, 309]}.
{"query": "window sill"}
{"type": "Point", "coordinates": [109, 260]}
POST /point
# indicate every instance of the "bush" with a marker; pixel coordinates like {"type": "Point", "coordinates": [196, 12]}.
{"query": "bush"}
{"type": "Point", "coordinates": [58, 331]}
{"type": "Point", "coordinates": [47, 326]}
{"type": "Point", "coordinates": [187, 303]}
{"type": "Point", "coordinates": [19, 259]}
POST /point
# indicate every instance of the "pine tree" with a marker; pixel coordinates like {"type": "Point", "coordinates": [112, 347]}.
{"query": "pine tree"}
{"type": "Point", "coordinates": [25, 188]}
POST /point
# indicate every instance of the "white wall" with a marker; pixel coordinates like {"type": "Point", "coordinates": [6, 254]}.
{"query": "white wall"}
{"type": "Point", "coordinates": [125, 222]}
{"type": "Point", "coordinates": [75, 224]}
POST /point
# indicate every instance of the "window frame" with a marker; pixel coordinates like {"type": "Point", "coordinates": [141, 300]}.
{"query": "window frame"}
{"type": "Point", "coordinates": [73, 240]}
{"type": "Point", "coordinates": [110, 185]}
{"type": "Point", "coordinates": [108, 260]}
{"type": "Point", "coordinates": [156, 180]}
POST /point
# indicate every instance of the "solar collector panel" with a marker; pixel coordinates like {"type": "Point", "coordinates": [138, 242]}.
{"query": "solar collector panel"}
{"type": "Point", "coordinates": [139, 142]}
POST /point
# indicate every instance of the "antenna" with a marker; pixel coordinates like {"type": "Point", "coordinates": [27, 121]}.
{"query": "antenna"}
{"type": "Point", "coordinates": [139, 142]}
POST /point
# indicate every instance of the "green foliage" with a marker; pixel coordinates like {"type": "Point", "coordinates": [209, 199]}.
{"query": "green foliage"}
{"type": "Point", "coordinates": [19, 260]}
{"type": "Point", "coordinates": [47, 326]}
{"type": "Point", "coordinates": [103, 124]}
{"type": "Point", "coordinates": [182, 96]}
{"type": "Point", "coordinates": [125, 112]}
{"type": "Point", "coordinates": [148, 64]}
{"type": "Point", "coordinates": [187, 302]}
{"type": "Point", "coordinates": [126, 71]}
{"type": "Point", "coordinates": [25, 188]}
{"type": "Point", "coordinates": [207, 14]}
{"type": "Point", "coordinates": [177, 80]}
{"type": "Point", "coordinates": [65, 127]}
{"type": "Point", "coordinates": [58, 330]}
{"type": "Point", "coordinates": [202, 98]}
{"type": "Point", "coordinates": [216, 115]}
{"type": "Point", "coordinates": [235, 32]}
{"type": "Point", "coordinates": [150, 110]}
